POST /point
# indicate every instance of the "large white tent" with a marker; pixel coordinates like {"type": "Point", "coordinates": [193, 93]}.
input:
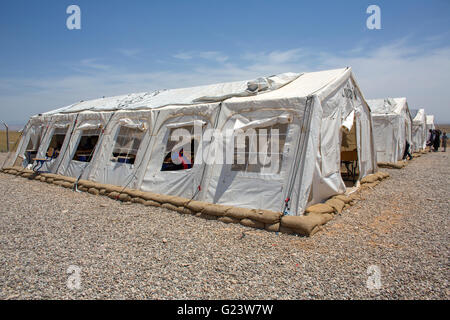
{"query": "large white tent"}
{"type": "Point", "coordinates": [419, 129]}
{"type": "Point", "coordinates": [318, 117]}
{"type": "Point", "coordinates": [392, 125]}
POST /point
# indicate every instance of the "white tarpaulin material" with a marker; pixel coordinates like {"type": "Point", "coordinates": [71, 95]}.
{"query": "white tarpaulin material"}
{"type": "Point", "coordinates": [430, 123]}
{"type": "Point", "coordinates": [392, 125]}
{"type": "Point", "coordinates": [306, 113]}
{"type": "Point", "coordinates": [419, 129]}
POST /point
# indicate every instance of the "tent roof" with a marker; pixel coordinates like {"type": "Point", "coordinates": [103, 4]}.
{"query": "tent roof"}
{"type": "Point", "coordinates": [430, 119]}
{"type": "Point", "coordinates": [183, 96]}
{"type": "Point", "coordinates": [388, 105]}
{"type": "Point", "coordinates": [273, 87]}
{"type": "Point", "coordinates": [419, 115]}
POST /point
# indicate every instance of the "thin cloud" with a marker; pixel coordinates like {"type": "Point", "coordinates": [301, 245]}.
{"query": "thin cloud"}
{"type": "Point", "coordinates": [129, 53]}
{"type": "Point", "coordinates": [202, 55]}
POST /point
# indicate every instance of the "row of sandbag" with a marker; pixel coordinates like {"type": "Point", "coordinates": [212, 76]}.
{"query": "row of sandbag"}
{"type": "Point", "coordinates": [307, 225]}
{"type": "Point", "coordinates": [400, 164]}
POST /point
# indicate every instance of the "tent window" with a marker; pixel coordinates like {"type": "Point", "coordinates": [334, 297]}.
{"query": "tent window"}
{"type": "Point", "coordinates": [86, 145]}
{"type": "Point", "coordinates": [33, 145]}
{"type": "Point", "coordinates": [127, 145]}
{"type": "Point", "coordinates": [34, 142]}
{"type": "Point", "coordinates": [252, 157]}
{"type": "Point", "coordinates": [182, 159]}
{"type": "Point", "coordinates": [54, 148]}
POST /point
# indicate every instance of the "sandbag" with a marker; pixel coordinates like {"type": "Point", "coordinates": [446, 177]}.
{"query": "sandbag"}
{"type": "Point", "coordinates": [134, 193]}
{"type": "Point", "coordinates": [275, 227]}
{"type": "Point", "coordinates": [266, 216]}
{"type": "Point", "coordinates": [185, 210]}
{"type": "Point", "coordinates": [397, 165]}
{"type": "Point", "coordinates": [343, 198]}
{"type": "Point", "coordinates": [169, 206]}
{"type": "Point", "coordinates": [138, 200]}
{"type": "Point", "coordinates": [320, 208]}
{"type": "Point", "coordinates": [83, 188]}
{"type": "Point", "coordinates": [205, 216]}
{"type": "Point", "coordinates": [304, 225]}
{"type": "Point", "coordinates": [110, 188]}
{"type": "Point", "coordinates": [383, 175]}
{"type": "Point", "coordinates": [228, 220]}
{"type": "Point", "coordinates": [252, 223]}
{"type": "Point", "coordinates": [86, 183]}
{"type": "Point", "coordinates": [196, 206]}
{"type": "Point", "coordinates": [215, 210]}
{"type": "Point", "coordinates": [176, 201]}
{"type": "Point", "coordinates": [286, 230]}
{"type": "Point", "coordinates": [124, 197]}
{"type": "Point", "coordinates": [370, 185]}
{"type": "Point", "coordinates": [239, 213]}
{"type": "Point", "coordinates": [68, 179]}
{"type": "Point", "coordinates": [67, 185]}
{"type": "Point", "coordinates": [149, 196]}
{"type": "Point", "coordinates": [94, 191]}
{"type": "Point", "coordinates": [369, 179]}
{"type": "Point", "coordinates": [113, 195]}
{"type": "Point", "coordinates": [337, 204]}
{"type": "Point", "coordinates": [151, 203]}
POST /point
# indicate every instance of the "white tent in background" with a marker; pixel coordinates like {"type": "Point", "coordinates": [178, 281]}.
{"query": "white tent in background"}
{"type": "Point", "coordinates": [430, 122]}
{"type": "Point", "coordinates": [392, 125]}
{"type": "Point", "coordinates": [419, 129]}
{"type": "Point", "coordinates": [319, 118]}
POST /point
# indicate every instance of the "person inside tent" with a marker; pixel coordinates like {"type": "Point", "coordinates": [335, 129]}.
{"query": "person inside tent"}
{"type": "Point", "coordinates": [171, 158]}
{"type": "Point", "coordinates": [407, 153]}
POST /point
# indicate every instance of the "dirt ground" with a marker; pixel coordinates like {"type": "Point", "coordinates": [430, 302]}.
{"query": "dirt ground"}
{"type": "Point", "coordinates": [59, 244]}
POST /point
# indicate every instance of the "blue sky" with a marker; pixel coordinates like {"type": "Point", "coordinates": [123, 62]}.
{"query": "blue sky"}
{"type": "Point", "coordinates": [135, 46]}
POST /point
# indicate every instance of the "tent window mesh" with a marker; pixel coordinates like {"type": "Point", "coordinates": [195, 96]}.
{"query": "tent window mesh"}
{"type": "Point", "coordinates": [253, 155]}
{"type": "Point", "coordinates": [183, 158]}
{"type": "Point", "coordinates": [86, 145]}
{"type": "Point", "coordinates": [33, 145]}
{"type": "Point", "coordinates": [127, 145]}
{"type": "Point", "coordinates": [54, 148]}
{"type": "Point", "coordinates": [34, 142]}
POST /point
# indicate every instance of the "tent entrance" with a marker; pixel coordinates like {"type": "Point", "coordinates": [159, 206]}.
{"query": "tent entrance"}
{"type": "Point", "coordinates": [349, 156]}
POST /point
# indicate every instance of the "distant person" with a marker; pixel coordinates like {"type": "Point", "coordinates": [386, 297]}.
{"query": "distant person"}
{"type": "Point", "coordinates": [430, 139]}
{"type": "Point", "coordinates": [437, 140]}
{"type": "Point", "coordinates": [407, 153]}
{"type": "Point", "coordinates": [444, 141]}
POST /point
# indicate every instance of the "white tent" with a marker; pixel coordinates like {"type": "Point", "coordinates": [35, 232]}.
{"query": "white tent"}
{"type": "Point", "coordinates": [392, 125]}
{"type": "Point", "coordinates": [318, 117]}
{"type": "Point", "coordinates": [419, 129]}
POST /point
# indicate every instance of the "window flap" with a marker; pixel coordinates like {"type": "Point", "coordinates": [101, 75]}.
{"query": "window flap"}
{"type": "Point", "coordinates": [283, 119]}
{"type": "Point", "coordinates": [348, 122]}
{"type": "Point", "coordinates": [185, 124]}
{"type": "Point", "coordinates": [90, 126]}
{"type": "Point", "coordinates": [133, 124]}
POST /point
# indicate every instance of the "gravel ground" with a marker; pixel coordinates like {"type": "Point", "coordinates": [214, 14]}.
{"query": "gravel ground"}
{"type": "Point", "coordinates": [136, 252]}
